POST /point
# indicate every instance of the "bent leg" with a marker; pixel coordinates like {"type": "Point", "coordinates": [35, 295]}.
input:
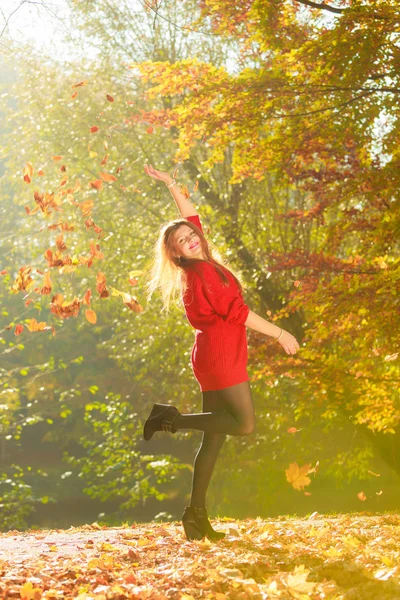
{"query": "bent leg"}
{"type": "Point", "coordinates": [207, 455]}
{"type": "Point", "coordinates": [235, 415]}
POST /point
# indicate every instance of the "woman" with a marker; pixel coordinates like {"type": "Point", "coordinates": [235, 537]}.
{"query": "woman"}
{"type": "Point", "coordinates": [214, 306]}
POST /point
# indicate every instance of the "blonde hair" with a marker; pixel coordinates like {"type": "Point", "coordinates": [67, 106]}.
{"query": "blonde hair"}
{"type": "Point", "coordinates": [167, 272]}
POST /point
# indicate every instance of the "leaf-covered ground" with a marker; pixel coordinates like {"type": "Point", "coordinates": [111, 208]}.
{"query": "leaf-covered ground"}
{"type": "Point", "coordinates": [346, 556]}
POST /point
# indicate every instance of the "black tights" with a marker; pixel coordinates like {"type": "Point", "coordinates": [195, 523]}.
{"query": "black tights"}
{"type": "Point", "coordinates": [228, 411]}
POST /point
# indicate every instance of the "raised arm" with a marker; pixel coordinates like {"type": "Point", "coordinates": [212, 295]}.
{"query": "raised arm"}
{"type": "Point", "coordinates": [184, 205]}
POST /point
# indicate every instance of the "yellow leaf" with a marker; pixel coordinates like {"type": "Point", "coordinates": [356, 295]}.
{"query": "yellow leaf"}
{"type": "Point", "coordinates": [92, 154]}
{"type": "Point", "coordinates": [27, 591]}
{"type": "Point", "coordinates": [297, 476]}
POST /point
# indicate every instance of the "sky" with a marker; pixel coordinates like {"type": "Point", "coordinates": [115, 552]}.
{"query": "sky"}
{"type": "Point", "coordinates": [37, 21]}
{"type": "Point", "coordinates": [42, 23]}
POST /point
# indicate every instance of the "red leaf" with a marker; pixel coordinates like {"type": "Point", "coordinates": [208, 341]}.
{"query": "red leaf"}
{"type": "Point", "coordinates": [19, 329]}
{"type": "Point", "coordinates": [110, 98]}
{"type": "Point", "coordinates": [94, 129]}
{"type": "Point", "coordinates": [97, 184]}
{"type": "Point", "coordinates": [56, 157]}
{"type": "Point", "coordinates": [80, 84]}
{"type": "Point", "coordinates": [150, 129]}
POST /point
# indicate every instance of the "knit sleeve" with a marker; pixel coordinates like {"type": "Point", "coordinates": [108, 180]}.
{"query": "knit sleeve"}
{"type": "Point", "coordinates": [227, 301]}
{"type": "Point", "coordinates": [195, 219]}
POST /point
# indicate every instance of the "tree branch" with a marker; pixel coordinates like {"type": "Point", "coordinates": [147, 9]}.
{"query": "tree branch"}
{"type": "Point", "coordinates": [337, 11]}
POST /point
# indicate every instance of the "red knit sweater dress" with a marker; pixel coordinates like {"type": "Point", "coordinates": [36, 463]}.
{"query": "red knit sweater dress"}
{"type": "Point", "coordinates": [218, 313]}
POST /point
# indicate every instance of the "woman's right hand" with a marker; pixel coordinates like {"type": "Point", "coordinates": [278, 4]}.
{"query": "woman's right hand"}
{"type": "Point", "coordinates": [161, 175]}
{"type": "Point", "coordinates": [288, 342]}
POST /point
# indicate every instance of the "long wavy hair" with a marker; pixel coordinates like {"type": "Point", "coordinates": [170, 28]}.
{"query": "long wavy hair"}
{"type": "Point", "coordinates": [168, 271]}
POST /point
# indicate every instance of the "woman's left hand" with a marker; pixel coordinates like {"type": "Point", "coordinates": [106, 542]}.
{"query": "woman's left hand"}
{"type": "Point", "coordinates": [289, 343]}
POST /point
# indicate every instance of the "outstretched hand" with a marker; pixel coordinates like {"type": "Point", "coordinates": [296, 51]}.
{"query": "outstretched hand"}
{"type": "Point", "coordinates": [289, 343]}
{"type": "Point", "coordinates": [161, 175]}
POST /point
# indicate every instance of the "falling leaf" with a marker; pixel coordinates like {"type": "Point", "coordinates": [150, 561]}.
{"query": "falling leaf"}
{"type": "Point", "coordinates": [34, 325]}
{"type": "Point", "coordinates": [133, 281]}
{"type": "Point", "coordinates": [64, 309]}
{"type": "Point", "coordinates": [86, 298]}
{"type": "Point", "coordinates": [40, 173]}
{"type": "Point", "coordinates": [105, 159]}
{"type": "Point", "coordinates": [46, 289]}
{"type": "Point", "coordinates": [28, 172]}
{"type": "Point", "coordinates": [196, 186]}
{"type": "Point", "coordinates": [97, 184]}
{"type": "Point", "coordinates": [109, 98]}
{"type": "Point", "coordinates": [149, 129]}
{"type": "Point", "coordinates": [297, 476]}
{"type": "Point", "coordinates": [390, 357]}
{"type": "Point", "coordinates": [91, 315]}
{"type": "Point", "coordinates": [74, 95]}
{"type": "Point", "coordinates": [28, 302]}
{"type": "Point", "coordinates": [3, 272]}
{"type": "Point", "coordinates": [108, 177]}
{"type": "Point", "coordinates": [80, 84]}
{"type": "Point", "coordinates": [184, 190]}
{"type": "Point", "coordinates": [293, 430]}
{"type": "Point", "coordinates": [18, 329]}
{"type": "Point", "coordinates": [56, 158]}
{"type": "Point", "coordinates": [379, 493]}
{"type": "Point", "coordinates": [101, 285]}
{"type": "Point", "coordinates": [175, 173]}
{"type": "Point", "coordinates": [94, 129]}
{"type": "Point", "coordinates": [374, 474]}
{"type": "Point", "coordinates": [296, 283]}
{"type": "Point", "coordinates": [361, 496]}
{"type": "Point", "coordinates": [92, 154]}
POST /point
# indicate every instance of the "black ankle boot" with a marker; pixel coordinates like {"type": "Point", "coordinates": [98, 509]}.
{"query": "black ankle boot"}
{"type": "Point", "coordinates": [197, 526]}
{"type": "Point", "coordinates": [161, 418]}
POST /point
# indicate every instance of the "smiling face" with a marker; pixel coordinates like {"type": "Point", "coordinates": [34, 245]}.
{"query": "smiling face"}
{"type": "Point", "coordinates": [188, 243]}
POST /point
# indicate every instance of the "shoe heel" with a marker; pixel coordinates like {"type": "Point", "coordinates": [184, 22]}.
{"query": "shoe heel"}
{"type": "Point", "coordinates": [191, 531]}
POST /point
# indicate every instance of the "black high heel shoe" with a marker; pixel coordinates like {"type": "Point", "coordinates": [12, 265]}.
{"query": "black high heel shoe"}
{"type": "Point", "coordinates": [197, 526]}
{"type": "Point", "coordinates": [161, 418]}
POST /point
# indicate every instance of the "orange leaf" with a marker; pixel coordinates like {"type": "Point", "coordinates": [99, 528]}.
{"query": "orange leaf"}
{"type": "Point", "coordinates": [109, 98]}
{"type": "Point", "coordinates": [3, 272]}
{"type": "Point", "coordinates": [196, 186]}
{"type": "Point", "coordinates": [150, 129]}
{"type": "Point", "coordinates": [133, 281]}
{"type": "Point", "coordinates": [80, 84]}
{"type": "Point", "coordinates": [86, 297]}
{"type": "Point", "coordinates": [28, 172]}
{"type": "Point", "coordinates": [29, 301]}
{"type": "Point", "coordinates": [33, 325]}
{"type": "Point", "coordinates": [97, 184]}
{"type": "Point", "coordinates": [91, 316]}
{"type": "Point", "coordinates": [108, 177]}
{"type": "Point", "coordinates": [19, 329]}
{"type": "Point", "coordinates": [361, 496]}
{"type": "Point", "coordinates": [296, 283]}
{"type": "Point", "coordinates": [105, 159]}
{"type": "Point", "coordinates": [40, 173]}
{"type": "Point", "coordinates": [293, 430]}
{"type": "Point", "coordinates": [74, 95]}
{"type": "Point", "coordinates": [56, 157]}
{"type": "Point", "coordinates": [46, 289]}
{"type": "Point", "coordinates": [94, 129]}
